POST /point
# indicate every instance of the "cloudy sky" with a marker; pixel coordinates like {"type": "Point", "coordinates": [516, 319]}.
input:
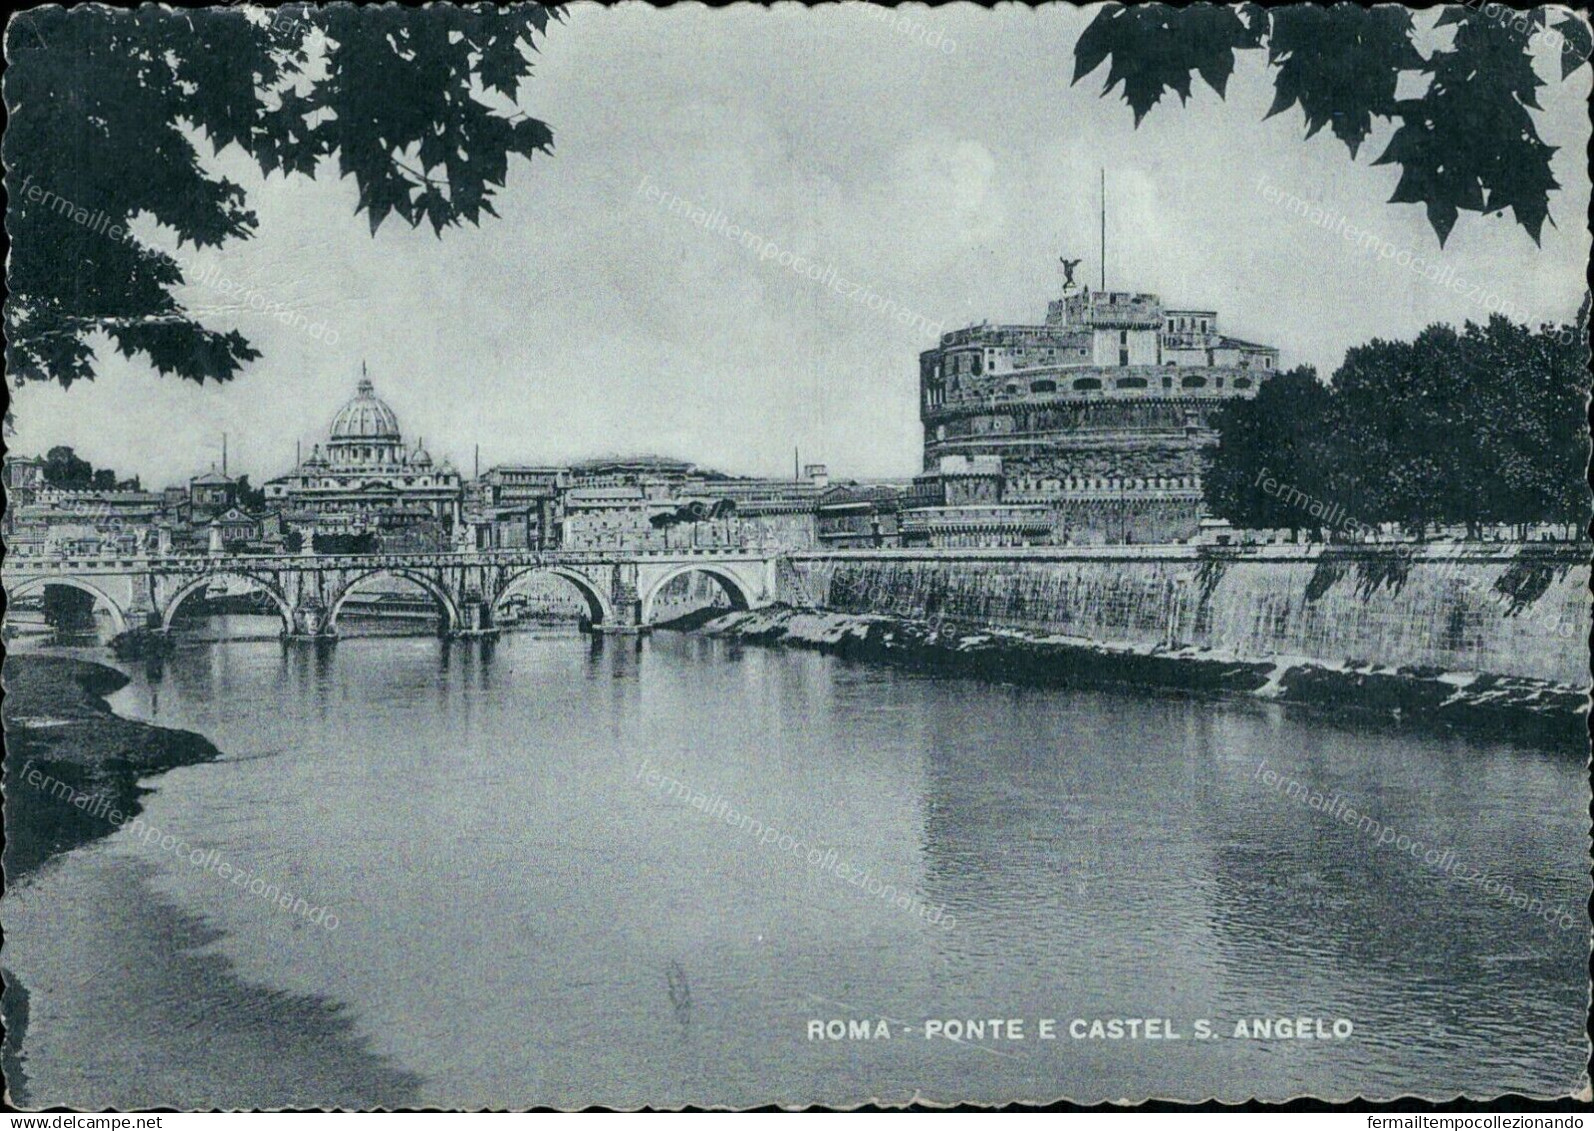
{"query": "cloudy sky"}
{"type": "Point", "coordinates": [941, 160]}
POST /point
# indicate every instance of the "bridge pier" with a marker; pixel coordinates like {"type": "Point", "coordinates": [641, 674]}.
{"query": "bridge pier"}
{"type": "Point", "coordinates": [143, 609]}
{"type": "Point", "coordinates": [311, 622]}
{"type": "Point", "coordinates": [626, 619]}
{"type": "Point", "coordinates": [475, 619]}
{"type": "Point", "coordinates": [625, 603]}
{"type": "Point", "coordinates": [626, 623]}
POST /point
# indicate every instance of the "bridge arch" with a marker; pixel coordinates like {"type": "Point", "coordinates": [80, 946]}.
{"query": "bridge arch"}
{"type": "Point", "coordinates": [597, 603]}
{"type": "Point", "coordinates": [446, 604]}
{"type": "Point", "coordinates": [733, 586]}
{"type": "Point", "coordinates": [117, 613]}
{"type": "Point", "coordinates": [284, 607]}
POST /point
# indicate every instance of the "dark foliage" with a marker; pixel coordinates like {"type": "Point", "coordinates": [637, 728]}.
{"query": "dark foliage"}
{"type": "Point", "coordinates": [366, 543]}
{"type": "Point", "coordinates": [63, 467]}
{"type": "Point", "coordinates": [1278, 435]}
{"type": "Point", "coordinates": [1484, 425]}
{"type": "Point", "coordinates": [105, 109]}
{"type": "Point", "coordinates": [1467, 144]}
{"type": "Point", "coordinates": [250, 499]}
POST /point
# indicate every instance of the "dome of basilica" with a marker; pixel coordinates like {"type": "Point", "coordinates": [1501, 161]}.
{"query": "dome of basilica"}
{"type": "Point", "coordinates": [366, 417]}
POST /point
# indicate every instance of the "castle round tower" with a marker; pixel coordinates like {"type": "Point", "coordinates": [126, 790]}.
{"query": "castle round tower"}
{"type": "Point", "coordinates": [1112, 395]}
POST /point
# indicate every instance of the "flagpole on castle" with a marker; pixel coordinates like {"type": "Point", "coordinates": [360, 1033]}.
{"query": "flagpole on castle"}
{"type": "Point", "coordinates": [1104, 227]}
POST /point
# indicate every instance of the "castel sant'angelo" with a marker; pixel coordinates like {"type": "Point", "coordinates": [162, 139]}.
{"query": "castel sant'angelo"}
{"type": "Point", "coordinates": [1101, 412]}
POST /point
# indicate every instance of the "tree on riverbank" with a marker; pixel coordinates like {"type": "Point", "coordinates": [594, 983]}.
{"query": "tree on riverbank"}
{"type": "Point", "coordinates": [107, 108]}
{"type": "Point", "coordinates": [1484, 425]}
{"type": "Point", "coordinates": [1277, 434]}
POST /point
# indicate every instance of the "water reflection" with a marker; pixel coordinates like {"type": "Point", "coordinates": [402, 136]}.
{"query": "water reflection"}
{"type": "Point", "coordinates": [528, 922]}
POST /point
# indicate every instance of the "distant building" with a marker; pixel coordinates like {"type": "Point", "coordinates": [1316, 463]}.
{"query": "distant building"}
{"type": "Point", "coordinates": [211, 494]}
{"type": "Point", "coordinates": [962, 503]}
{"type": "Point", "coordinates": [653, 502]}
{"type": "Point", "coordinates": [517, 506]}
{"type": "Point", "coordinates": [43, 519]}
{"type": "Point", "coordinates": [233, 531]}
{"type": "Point", "coordinates": [23, 476]}
{"type": "Point", "coordinates": [615, 517]}
{"type": "Point", "coordinates": [768, 512]}
{"type": "Point", "coordinates": [370, 481]}
{"type": "Point", "coordinates": [272, 532]}
{"type": "Point", "coordinates": [856, 517]}
{"type": "Point", "coordinates": [1101, 413]}
{"type": "Point", "coordinates": [620, 501]}
{"type": "Point", "coordinates": [657, 476]}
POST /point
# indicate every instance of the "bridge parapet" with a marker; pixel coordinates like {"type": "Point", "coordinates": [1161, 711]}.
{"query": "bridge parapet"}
{"type": "Point", "coordinates": [468, 586]}
{"type": "Point", "coordinates": [202, 563]}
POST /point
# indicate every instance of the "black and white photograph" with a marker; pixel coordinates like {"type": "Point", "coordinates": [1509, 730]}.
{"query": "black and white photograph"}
{"type": "Point", "coordinates": [658, 558]}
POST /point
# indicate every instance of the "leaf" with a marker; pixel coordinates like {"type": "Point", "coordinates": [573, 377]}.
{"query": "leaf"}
{"type": "Point", "coordinates": [1469, 143]}
{"type": "Point", "coordinates": [104, 104]}
{"type": "Point", "coordinates": [1341, 65]}
{"type": "Point", "coordinates": [1575, 42]}
{"type": "Point", "coordinates": [1155, 48]}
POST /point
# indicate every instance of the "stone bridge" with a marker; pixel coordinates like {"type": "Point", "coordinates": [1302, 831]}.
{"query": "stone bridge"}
{"type": "Point", "coordinates": [470, 588]}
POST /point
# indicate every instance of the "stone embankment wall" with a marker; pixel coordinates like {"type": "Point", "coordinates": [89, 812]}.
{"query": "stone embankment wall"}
{"type": "Point", "coordinates": [1520, 611]}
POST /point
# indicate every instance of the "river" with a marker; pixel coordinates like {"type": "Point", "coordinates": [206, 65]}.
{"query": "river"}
{"type": "Point", "coordinates": [528, 912]}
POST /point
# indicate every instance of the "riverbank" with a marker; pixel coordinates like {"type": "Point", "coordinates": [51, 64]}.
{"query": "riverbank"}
{"type": "Point", "coordinates": [58, 723]}
{"type": "Point", "coordinates": [131, 1003]}
{"type": "Point", "coordinates": [92, 945]}
{"type": "Point", "coordinates": [1526, 709]}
